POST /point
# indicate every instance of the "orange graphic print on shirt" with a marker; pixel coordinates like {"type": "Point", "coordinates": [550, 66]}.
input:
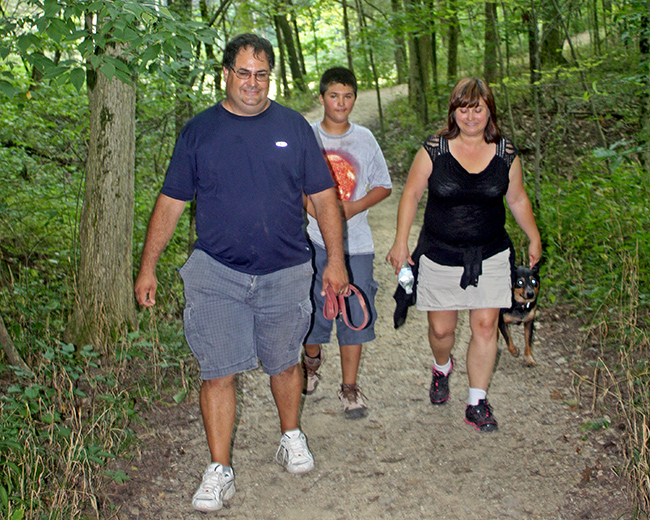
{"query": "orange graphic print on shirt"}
{"type": "Point", "coordinates": [344, 174]}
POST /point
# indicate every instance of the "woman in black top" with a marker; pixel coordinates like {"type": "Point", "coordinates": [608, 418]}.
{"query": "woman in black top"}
{"type": "Point", "coordinates": [464, 255]}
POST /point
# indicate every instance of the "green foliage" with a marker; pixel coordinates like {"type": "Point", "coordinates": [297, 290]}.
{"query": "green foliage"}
{"type": "Point", "coordinates": [56, 428]}
{"type": "Point", "coordinates": [55, 44]}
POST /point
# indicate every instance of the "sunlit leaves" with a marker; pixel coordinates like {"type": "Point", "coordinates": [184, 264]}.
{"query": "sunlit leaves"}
{"type": "Point", "coordinates": [59, 29]}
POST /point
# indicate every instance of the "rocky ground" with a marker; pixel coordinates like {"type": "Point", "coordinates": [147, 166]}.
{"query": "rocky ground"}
{"type": "Point", "coordinates": [407, 459]}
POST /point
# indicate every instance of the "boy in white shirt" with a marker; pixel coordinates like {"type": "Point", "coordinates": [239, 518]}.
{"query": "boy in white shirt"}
{"type": "Point", "coordinates": [361, 174]}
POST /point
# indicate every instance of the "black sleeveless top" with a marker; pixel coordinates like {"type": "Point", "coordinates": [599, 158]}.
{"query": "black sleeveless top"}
{"type": "Point", "coordinates": [466, 209]}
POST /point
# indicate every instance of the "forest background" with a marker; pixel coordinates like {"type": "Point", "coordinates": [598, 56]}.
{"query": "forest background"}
{"type": "Point", "coordinates": [94, 93]}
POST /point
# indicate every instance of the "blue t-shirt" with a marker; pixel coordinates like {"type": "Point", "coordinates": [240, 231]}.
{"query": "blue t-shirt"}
{"type": "Point", "coordinates": [248, 175]}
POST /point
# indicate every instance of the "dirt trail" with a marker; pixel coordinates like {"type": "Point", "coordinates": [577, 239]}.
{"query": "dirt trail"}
{"type": "Point", "coordinates": [408, 459]}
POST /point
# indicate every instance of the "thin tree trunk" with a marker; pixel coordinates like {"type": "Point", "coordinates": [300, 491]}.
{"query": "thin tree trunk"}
{"type": "Point", "coordinates": [400, 45]}
{"type": "Point", "coordinates": [434, 56]}
{"type": "Point", "coordinates": [301, 57]}
{"type": "Point", "coordinates": [315, 37]}
{"type": "Point", "coordinates": [452, 43]}
{"type": "Point", "coordinates": [346, 33]}
{"type": "Point", "coordinates": [504, 86]}
{"type": "Point", "coordinates": [294, 65]}
{"type": "Point", "coordinates": [644, 97]}
{"type": "Point", "coordinates": [373, 68]}
{"type": "Point", "coordinates": [491, 43]}
{"type": "Point", "coordinates": [282, 60]}
{"type": "Point", "coordinates": [538, 122]}
{"type": "Point", "coordinates": [417, 83]}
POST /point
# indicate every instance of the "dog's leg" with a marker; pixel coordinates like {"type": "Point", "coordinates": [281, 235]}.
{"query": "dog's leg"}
{"type": "Point", "coordinates": [529, 328]}
{"type": "Point", "coordinates": [505, 332]}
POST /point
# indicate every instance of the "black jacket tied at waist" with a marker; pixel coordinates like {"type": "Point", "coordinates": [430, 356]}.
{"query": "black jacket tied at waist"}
{"type": "Point", "coordinates": [470, 258]}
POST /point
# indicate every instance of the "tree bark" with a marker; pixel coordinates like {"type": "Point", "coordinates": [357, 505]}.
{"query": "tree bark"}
{"type": "Point", "coordinates": [400, 45]}
{"type": "Point", "coordinates": [452, 43]}
{"type": "Point", "coordinates": [417, 71]}
{"type": "Point", "coordinates": [371, 58]}
{"type": "Point", "coordinates": [105, 306]}
{"type": "Point", "coordinates": [490, 48]}
{"type": "Point", "coordinates": [552, 40]}
{"type": "Point", "coordinates": [282, 59]}
{"type": "Point", "coordinates": [530, 21]}
{"type": "Point", "coordinates": [644, 96]}
{"type": "Point", "coordinates": [346, 33]}
{"type": "Point", "coordinates": [294, 63]}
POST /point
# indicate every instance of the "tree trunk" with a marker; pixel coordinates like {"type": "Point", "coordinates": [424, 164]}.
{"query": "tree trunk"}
{"type": "Point", "coordinates": [536, 104]}
{"type": "Point", "coordinates": [400, 45]}
{"type": "Point", "coordinates": [314, 33]}
{"type": "Point", "coordinates": [644, 99]}
{"type": "Point", "coordinates": [504, 86]}
{"type": "Point", "coordinates": [530, 21]}
{"type": "Point", "coordinates": [371, 58]}
{"type": "Point", "coordinates": [552, 41]}
{"type": "Point", "coordinates": [417, 72]}
{"type": "Point", "coordinates": [346, 33]}
{"type": "Point", "coordinates": [452, 43]}
{"type": "Point", "coordinates": [433, 53]}
{"type": "Point", "coordinates": [105, 306]}
{"type": "Point", "coordinates": [490, 48]}
{"type": "Point", "coordinates": [301, 56]}
{"type": "Point", "coordinates": [294, 63]}
{"type": "Point", "coordinates": [282, 60]}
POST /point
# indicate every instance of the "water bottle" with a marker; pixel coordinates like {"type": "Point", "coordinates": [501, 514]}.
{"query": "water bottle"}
{"type": "Point", "coordinates": [405, 278]}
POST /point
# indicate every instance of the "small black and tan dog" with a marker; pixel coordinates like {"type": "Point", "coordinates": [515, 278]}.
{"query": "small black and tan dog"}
{"type": "Point", "coordinates": [524, 304]}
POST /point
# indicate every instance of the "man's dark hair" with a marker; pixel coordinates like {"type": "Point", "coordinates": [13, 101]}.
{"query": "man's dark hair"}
{"type": "Point", "coordinates": [338, 75]}
{"type": "Point", "coordinates": [257, 43]}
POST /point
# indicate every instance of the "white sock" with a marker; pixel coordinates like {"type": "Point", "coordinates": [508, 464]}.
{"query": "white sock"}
{"type": "Point", "coordinates": [442, 368]}
{"type": "Point", "coordinates": [475, 395]}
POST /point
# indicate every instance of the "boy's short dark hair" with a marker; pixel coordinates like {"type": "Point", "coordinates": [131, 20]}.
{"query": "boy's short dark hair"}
{"type": "Point", "coordinates": [257, 43]}
{"type": "Point", "coordinates": [338, 75]}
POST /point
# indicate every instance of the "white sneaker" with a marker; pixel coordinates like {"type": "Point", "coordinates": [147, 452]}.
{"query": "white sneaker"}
{"type": "Point", "coordinates": [218, 485]}
{"type": "Point", "coordinates": [293, 453]}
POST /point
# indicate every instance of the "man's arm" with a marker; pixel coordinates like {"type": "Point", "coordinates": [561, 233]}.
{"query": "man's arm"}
{"type": "Point", "coordinates": [329, 215]}
{"type": "Point", "coordinates": [161, 227]}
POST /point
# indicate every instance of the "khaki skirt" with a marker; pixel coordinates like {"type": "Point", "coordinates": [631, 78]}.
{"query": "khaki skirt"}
{"type": "Point", "coordinates": [438, 286]}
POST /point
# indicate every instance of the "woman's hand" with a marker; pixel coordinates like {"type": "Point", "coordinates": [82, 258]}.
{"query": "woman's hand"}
{"type": "Point", "coordinates": [534, 251]}
{"type": "Point", "coordinates": [397, 255]}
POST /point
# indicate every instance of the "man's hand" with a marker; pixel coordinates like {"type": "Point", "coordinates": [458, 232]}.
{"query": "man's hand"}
{"type": "Point", "coordinates": [335, 275]}
{"type": "Point", "coordinates": [145, 289]}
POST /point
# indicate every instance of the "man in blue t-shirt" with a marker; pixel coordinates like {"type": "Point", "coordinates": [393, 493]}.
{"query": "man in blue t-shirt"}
{"type": "Point", "coordinates": [247, 161]}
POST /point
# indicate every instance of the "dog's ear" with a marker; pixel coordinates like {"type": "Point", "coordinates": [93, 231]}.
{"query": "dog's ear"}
{"type": "Point", "coordinates": [535, 269]}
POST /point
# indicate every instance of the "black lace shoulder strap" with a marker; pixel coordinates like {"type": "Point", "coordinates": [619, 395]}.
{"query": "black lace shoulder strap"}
{"type": "Point", "coordinates": [506, 150]}
{"type": "Point", "coordinates": [435, 146]}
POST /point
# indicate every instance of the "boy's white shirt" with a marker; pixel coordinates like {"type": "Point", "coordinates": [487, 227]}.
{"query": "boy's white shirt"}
{"type": "Point", "coordinates": [360, 148]}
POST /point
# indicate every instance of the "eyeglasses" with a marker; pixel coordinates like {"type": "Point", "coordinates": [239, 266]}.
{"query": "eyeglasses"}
{"type": "Point", "coordinates": [262, 76]}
